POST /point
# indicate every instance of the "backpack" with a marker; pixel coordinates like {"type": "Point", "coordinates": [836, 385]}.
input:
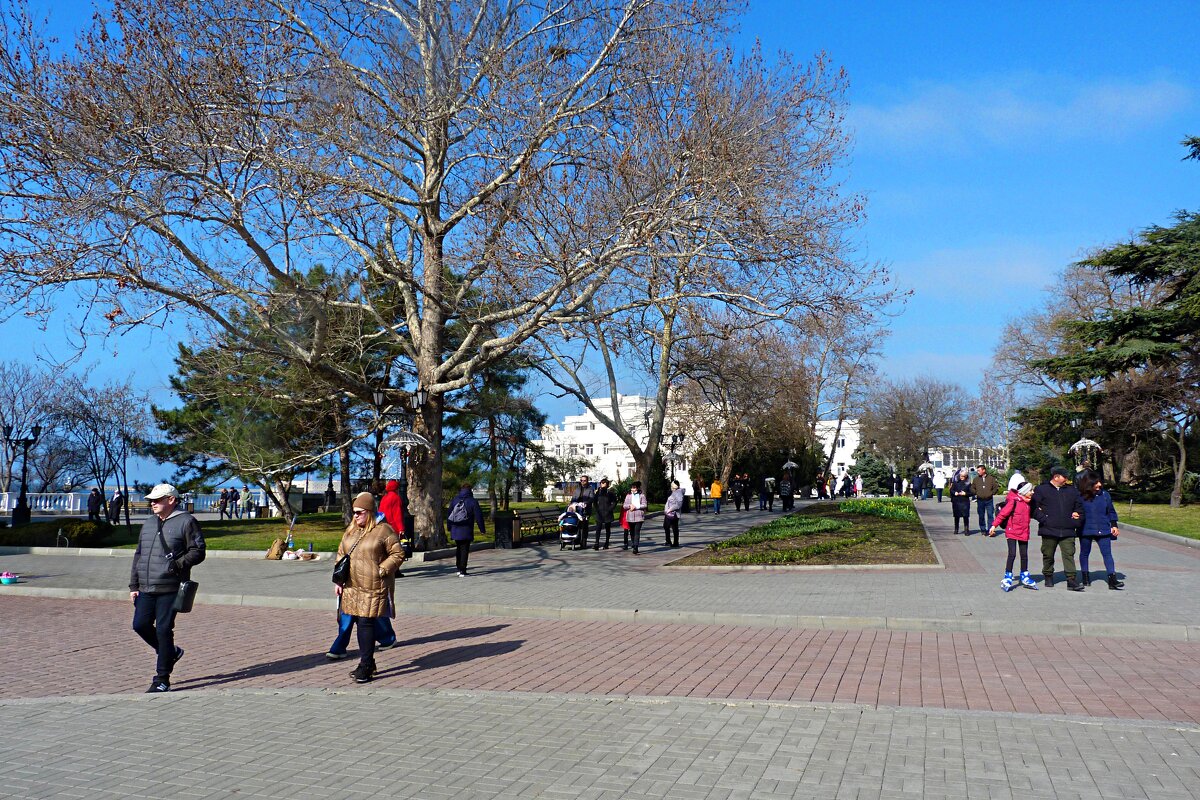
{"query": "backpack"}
{"type": "Point", "coordinates": [458, 513]}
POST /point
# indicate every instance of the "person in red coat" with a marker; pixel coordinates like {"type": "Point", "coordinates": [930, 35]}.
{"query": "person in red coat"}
{"type": "Point", "coordinates": [1014, 517]}
{"type": "Point", "coordinates": [391, 505]}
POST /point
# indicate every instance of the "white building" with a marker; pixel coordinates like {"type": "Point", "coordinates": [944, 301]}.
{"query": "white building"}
{"type": "Point", "coordinates": [843, 449]}
{"type": "Point", "coordinates": [584, 437]}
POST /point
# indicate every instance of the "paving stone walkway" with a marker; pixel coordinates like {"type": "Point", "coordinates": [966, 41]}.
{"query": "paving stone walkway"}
{"type": "Point", "coordinates": [515, 705]}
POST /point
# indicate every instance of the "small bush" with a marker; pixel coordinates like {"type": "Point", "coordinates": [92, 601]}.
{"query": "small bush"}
{"type": "Point", "coordinates": [886, 507]}
{"type": "Point", "coordinates": [80, 532]}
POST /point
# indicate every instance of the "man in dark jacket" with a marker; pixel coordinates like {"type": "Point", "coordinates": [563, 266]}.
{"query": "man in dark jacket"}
{"type": "Point", "coordinates": [1058, 509]}
{"type": "Point", "coordinates": [95, 502]}
{"type": "Point", "coordinates": [606, 501]}
{"type": "Point", "coordinates": [465, 513]}
{"type": "Point", "coordinates": [983, 489]}
{"type": "Point", "coordinates": [169, 545]}
{"type": "Point", "coordinates": [584, 498]}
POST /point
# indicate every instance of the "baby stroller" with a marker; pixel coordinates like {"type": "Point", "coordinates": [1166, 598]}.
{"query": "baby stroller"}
{"type": "Point", "coordinates": [569, 524]}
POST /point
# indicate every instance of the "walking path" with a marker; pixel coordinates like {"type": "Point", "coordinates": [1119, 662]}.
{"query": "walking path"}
{"type": "Point", "coordinates": [537, 702]}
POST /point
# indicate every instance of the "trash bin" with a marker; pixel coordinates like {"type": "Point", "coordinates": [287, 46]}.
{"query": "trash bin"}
{"type": "Point", "coordinates": [503, 531]}
{"type": "Point", "coordinates": [190, 506]}
{"type": "Point", "coordinates": [260, 512]}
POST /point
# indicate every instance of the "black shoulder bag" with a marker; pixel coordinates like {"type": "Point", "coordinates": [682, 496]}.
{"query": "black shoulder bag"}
{"type": "Point", "coordinates": [186, 595]}
{"type": "Point", "coordinates": [341, 570]}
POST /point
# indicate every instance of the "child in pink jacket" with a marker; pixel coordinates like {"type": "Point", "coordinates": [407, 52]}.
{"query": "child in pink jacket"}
{"type": "Point", "coordinates": [1014, 517]}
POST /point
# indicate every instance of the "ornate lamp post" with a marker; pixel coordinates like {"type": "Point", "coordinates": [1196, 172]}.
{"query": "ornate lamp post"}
{"type": "Point", "coordinates": [330, 494]}
{"type": "Point", "coordinates": [21, 514]}
{"type": "Point", "coordinates": [673, 442]}
{"type": "Point", "coordinates": [403, 440]}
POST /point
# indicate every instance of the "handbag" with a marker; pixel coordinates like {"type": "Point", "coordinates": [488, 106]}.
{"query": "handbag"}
{"type": "Point", "coordinates": [185, 595]}
{"type": "Point", "coordinates": [625, 519]}
{"type": "Point", "coordinates": [341, 570]}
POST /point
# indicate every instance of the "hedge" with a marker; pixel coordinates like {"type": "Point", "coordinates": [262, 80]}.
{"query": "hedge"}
{"type": "Point", "coordinates": [80, 533]}
{"type": "Point", "coordinates": [887, 507]}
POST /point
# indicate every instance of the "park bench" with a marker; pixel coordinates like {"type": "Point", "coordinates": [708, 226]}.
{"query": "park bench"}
{"type": "Point", "coordinates": [536, 524]}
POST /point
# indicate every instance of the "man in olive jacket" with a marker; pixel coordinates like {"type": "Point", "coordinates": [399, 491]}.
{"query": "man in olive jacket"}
{"type": "Point", "coordinates": [983, 489]}
{"type": "Point", "coordinates": [1058, 508]}
{"type": "Point", "coordinates": [169, 546]}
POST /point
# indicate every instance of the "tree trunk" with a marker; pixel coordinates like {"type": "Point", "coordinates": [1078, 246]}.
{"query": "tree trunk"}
{"type": "Point", "coordinates": [1180, 468]}
{"type": "Point", "coordinates": [425, 486]}
{"type": "Point", "coordinates": [344, 483]}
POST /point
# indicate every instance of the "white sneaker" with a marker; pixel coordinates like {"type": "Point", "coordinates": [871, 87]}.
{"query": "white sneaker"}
{"type": "Point", "coordinates": [462, 574]}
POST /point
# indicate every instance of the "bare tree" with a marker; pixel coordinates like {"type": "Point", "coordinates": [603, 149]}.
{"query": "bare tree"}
{"type": "Point", "coordinates": [906, 417]}
{"type": "Point", "coordinates": [26, 397]}
{"type": "Point", "coordinates": [200, 156]}
{"type": "Point", "coordinates": [741, 157]}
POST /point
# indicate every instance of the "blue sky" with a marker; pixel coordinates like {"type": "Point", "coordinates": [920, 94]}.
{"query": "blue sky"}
{"type": "Point", "coordinates": [995, 143]}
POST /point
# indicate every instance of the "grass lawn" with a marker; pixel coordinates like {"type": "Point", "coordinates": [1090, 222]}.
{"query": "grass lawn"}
{"type": "Point", "coordinates": [1183, 521]}
{"type": "Point", "coordinates": [822, 535]}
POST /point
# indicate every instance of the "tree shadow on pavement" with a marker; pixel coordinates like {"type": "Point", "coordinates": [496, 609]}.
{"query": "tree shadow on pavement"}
{"type": "Point", "coordinates": [451, 656]}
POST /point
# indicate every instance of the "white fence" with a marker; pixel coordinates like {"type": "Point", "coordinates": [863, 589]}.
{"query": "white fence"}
{"type": "Point", "coordinates": [76, 502]}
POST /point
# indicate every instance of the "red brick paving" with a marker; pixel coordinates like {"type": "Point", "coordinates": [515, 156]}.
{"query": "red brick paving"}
{"type": "Point", "coordinates": [73, 647]}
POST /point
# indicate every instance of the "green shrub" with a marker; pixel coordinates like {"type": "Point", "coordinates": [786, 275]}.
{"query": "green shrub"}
{"type": "Point", "coordinates": [784, 528]}
{"type": "Point", "coordinates": [886, 507]}
{"type": "Point", "coordinates": [80, 533]}
{"type": "Point", "coordinates": [789, 556]}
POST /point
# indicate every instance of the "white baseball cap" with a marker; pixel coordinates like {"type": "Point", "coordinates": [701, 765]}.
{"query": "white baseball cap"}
{"type": "Point", "coordinates": [161, 491]}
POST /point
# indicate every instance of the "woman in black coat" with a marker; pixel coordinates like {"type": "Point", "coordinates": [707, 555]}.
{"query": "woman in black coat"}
{"type": "Point", "coordinates": [960, 501]}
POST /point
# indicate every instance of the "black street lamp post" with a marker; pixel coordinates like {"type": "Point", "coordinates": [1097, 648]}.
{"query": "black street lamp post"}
{"type": "Point", "coordinates": [672, 442]}
{"type": "Point", "coordinates": [330, 494]}
{"type": "Point", "coordinates": [415, 401]}
{"type": "Point", "coordinates": [21, 514]}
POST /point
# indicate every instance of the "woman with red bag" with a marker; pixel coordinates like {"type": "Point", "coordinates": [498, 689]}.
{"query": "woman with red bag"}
{"type": "Point", "coordinates": [634, 515]}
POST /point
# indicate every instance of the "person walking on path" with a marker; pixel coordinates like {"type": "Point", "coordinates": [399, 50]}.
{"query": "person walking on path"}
{"type": "Point", "coordinates": [606, 501]}
{"type": "Point", "coordinates": [736, 490]}
{"type": "Point", "coordinates": [247, 501]}
{"type": "Point", "coordinates": [375, 555]}
{"type": "Point", "coordinates": [169, 545]}
{"type": "Point", "coordinates": [960, 501]}
{"type": "Point", "coordinates": [94, 504]}
{"type": "Point", "coordinates": [114, 506]}
{"type": "Point", "coordinates": [714, 492]}
{"type": "Point", "coordinates": [1058, 508]}
{"type": "Point", "coordinates": [584, 497]}
{"type": "Point", "coordinates": [465, 514]}
{"type": "Point", "coordinates": [635, 515]}
{"type": "Point", "coordinates": [747, 491]}
{"type": "Point", "coordinates": [787, 492]}
{"type": "Point", "coordinates": [223, 505]}
{"type": "Point", "coordinates": [1099, 526]}
{"type": "Point", "coordinates": [671, 512]}
{"type": "Point", "coordinates": [697, 495]}
{"type": "Point", "coordinates": [766, 495]}
{"type": "Point", "coordinates": [1014, 517]}
{"type": "Point", "coordinates": [939, 483]}
{"type": "Point", "coordinates": [984, 488]}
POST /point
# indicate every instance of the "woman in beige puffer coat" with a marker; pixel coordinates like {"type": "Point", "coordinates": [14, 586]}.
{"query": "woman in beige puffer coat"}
{"type": "Point", "coordinates": [375, 555]}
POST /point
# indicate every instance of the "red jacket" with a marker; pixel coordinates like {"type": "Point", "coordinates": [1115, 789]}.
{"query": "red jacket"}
{"type": "Point", "coordinates": [1016, 513]}
{"type": "Point", "coordinates": [392, 508]}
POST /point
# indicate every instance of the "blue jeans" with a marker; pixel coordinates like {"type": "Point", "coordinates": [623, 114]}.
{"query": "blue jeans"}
{"type": "Point", "coordinates": [154, 621]}
{"type": "Point", "coordinates": [1105, 545]}
{"type": "Point", "coordinates": [383, 632]}
{"type": "Point", "coordinates": [716, 505]}
{"type": "Point", "coordinates": [987, 509]}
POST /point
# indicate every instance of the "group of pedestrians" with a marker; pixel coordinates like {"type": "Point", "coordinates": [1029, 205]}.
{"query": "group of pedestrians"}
{"type": "Point", "coordinates": [229, 504]}
{"type": "Point", "coordinates": [588, 500]}
{"type": "Point", "coordinates": [1064, 513]}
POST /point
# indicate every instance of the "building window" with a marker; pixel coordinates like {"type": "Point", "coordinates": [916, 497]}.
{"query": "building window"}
{"type": "Point", "coordinates": [587, 449]}
{"type": "Point", "coordinates": [582, 427]}
{"type": "Point", "coordinates": [605, 449]}
{"type": "Point", "coordinates": [842, 442]}
{"type": "Point", "coordinates": [558, 449]}
{"type": "Point", "coordinates": [574, 449]}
